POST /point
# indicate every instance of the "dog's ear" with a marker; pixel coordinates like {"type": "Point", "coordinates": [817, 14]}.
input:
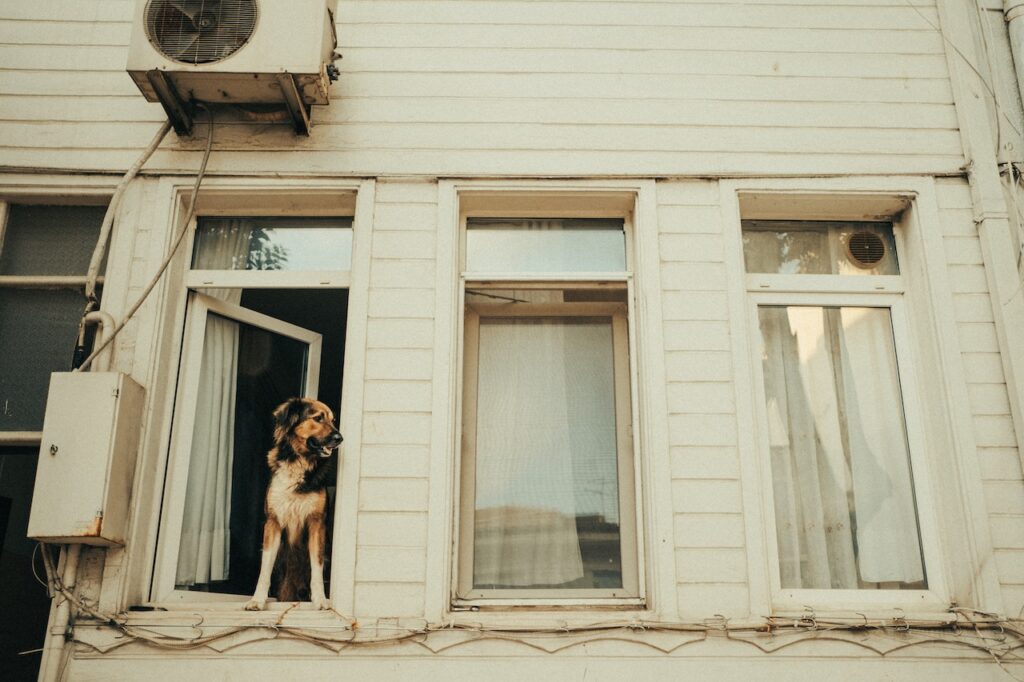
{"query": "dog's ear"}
{"type": "Point", "coordinates": [288, 414]}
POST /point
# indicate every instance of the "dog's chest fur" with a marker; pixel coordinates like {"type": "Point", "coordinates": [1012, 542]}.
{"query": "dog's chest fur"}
{"type": "Point", "coordinates": [290, 507]}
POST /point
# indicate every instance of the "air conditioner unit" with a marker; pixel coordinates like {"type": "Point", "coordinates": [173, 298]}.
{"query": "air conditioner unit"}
{"type": "Point", "coordinates": [263, 54]}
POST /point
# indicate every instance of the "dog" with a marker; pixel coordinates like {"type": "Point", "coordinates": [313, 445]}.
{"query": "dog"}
{"type": "Point", "coordinates": [296, 501]}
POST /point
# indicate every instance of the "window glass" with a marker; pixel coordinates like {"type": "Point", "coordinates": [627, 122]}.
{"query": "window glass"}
{"type": "Point", "coordinates": [819, 248]}
{"type": "Point", "coordinates": [845, 510]}
{"type": "Point", "coordinates": [546, 491]}
{"type": "Point", "coordinates": [546, 245]}
{"type": "Point", "coordinates": [246, 371]}
{"type": "Point", "coordinates": [50, 240]}
{"type": "Point", "coordinates": [38, 331]}
{"type": "Point", "coordinates": [39, 325]}
{"type": "Point", "coordinates": [273, 244]}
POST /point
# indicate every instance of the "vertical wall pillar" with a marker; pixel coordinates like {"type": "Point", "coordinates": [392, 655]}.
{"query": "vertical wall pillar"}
{"type": "Point", "coordinates": [991, 210]}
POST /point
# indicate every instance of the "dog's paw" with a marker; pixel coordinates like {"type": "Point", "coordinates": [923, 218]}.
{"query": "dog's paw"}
{"type": "Point", "coordinates": [255, 605]}
{"type": "Point", "coordinates": [322, 604]}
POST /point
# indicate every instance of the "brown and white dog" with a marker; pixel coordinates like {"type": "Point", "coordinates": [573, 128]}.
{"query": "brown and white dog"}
{"type": "Point", "coordinates": [296, 503]}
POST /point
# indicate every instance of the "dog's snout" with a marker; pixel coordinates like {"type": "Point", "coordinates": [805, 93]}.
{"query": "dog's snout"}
{"type": "Point", "coordinates": [335, 438]}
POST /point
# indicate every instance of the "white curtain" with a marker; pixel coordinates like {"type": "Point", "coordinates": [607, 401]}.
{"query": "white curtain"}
{"type": "Point", "coordinates": [203, 553]}
{"type": "Point", "coordinates": [844, 499]}
{"type": "Point", "coordinates": [545, 447]}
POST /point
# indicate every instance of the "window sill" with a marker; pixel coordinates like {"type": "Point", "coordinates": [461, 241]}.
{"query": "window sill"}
{"type": "Point", "coordinates": [872, 604]}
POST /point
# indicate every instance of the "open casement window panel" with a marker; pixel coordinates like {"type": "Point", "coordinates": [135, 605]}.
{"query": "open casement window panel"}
{"type": "Point", "coordinates": [44, 257]}
{"type": "Point", "coordinates": [839, 416]}
{"type": "Point", "coordinates": [265, 321]}
{"type": "Point", "coordinates": [548, 493]}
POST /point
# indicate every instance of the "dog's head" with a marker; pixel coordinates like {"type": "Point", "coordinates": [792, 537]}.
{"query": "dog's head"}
{"type": "Point", "coordinates": [307, 426]}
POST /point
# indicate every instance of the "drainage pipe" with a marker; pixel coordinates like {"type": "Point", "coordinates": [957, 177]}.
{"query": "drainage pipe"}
{"type": "Point", "coordinates": [1013, 10]}
{"type": "Point", "coordinates": [57, 631]}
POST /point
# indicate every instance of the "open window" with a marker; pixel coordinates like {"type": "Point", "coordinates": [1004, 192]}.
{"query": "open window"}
{"type": "Point", "coordinates": [267, 304]}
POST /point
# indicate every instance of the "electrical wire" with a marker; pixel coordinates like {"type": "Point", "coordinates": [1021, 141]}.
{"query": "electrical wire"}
{"type": "Point", "coordinates": [148, 289]}
{"type": "Point", "coordinates": [108, 218]}
{"type": "Point", "coordinates": [35, 573]}
{"type": "Point", "coordinates": [1003, 648]}
{"type": "Point", "coordinates": [966, 59]}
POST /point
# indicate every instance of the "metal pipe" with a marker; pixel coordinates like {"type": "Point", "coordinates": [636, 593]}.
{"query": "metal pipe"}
{"type": "Point", "coordinates": [56, 634]}
{"type": "Point", "coordinates": [1013, 10]}
{"type": "Point", "coordinates": [106, 324]}
{"type": "Point", "coordinates": [56, 637]}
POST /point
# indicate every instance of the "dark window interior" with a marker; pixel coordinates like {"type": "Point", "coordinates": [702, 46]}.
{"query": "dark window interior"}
{"type": "Point", "coordinates": [265, 381]}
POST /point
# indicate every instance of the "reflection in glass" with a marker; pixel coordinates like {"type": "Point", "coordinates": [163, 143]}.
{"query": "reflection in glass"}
{"type": "Point", "coordinates": [547, 496]}
{"type": "Point", "coordinates": [273, 244]}
{"type": "Point", "coordinates": [845, 511]}
{"type": "Point", "coordinates": [560, 245]}
{"type": "Point", "coordinates": [819, 248]}
{"type": "Point", "coordinates": [245, 371]}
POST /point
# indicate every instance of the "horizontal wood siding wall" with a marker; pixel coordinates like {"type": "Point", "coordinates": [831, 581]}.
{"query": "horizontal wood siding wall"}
{"type": "Point", "coordinates": [393, 491]}
{"type": "Point", "coordinates": [711, 561]}
{"type": "Point", "coordinates": [999, 460]}
{"type": "Point", "coordinates": [526, 87]}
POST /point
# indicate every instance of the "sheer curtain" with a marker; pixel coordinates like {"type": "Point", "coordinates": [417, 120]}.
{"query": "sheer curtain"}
{"type": "Point", "coordinates": [205, 533]}
{"type": "Point", "coordinates": [844, 498]}
{"type": "Point", "coordinates": [545, 442]}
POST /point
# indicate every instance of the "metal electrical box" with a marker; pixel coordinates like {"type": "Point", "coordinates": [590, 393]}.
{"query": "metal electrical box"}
{"type": "Point", "coordinates": [86, 459]}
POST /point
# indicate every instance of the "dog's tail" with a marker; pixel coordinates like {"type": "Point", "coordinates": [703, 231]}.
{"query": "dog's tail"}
{"type": "Point", "coordinates": [293, 563]}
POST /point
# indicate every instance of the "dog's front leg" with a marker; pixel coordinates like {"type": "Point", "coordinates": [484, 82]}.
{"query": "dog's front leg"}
{"type": "Point", "coordinates": [317, 540]}
{"type": "Point", "coordinates": [271, 544]}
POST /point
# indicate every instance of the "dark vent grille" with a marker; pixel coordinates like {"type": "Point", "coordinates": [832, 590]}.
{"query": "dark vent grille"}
{"type": "Point", "coordinates": [200, 31]}
{"type": "Point", "coordinates": [866, 248]}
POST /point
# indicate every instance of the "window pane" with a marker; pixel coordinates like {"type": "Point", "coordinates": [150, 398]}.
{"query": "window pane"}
{"type": "Point", "coordinates": [845, 511]}
{"type": "Point", "coordinates": [547, 498]}
{"type": "Point", "coordinates": [273, 244]}
{"type": "Point", "coordinates": [567, 245]}
{"type": "Point", "coordinates": [246, 371]}
{"type": "Point", "coordinates": [819, 248]}
{"type": "Point", "coordinates": [38, 332]}
{"type": "Point", "coordinates": [50, 240]}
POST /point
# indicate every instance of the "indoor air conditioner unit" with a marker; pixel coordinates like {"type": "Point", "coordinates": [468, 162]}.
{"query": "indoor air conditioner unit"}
{"type": "Point", "coordinates": [259, 54]}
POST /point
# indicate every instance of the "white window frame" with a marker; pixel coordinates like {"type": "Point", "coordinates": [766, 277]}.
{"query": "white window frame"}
{"type": "Point", "coordinates": [787, 290]}
{"type": "Point", "coordinates": [959, 565]}
{"type": "Point", "coordinates": [199, 308]}
{"type": "Point", "coordinates": [625, 457]}
{"type": "Point", "coordinates": [257, 198]}
{"type": "Point", "coordinates": [461, 597]}
{"type": "Point", "coordinates": [571, 198]}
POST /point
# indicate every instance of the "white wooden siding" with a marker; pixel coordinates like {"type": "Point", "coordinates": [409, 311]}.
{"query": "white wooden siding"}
{"type": "Point", "coordinates": [998, 458]}
{"type": "Point", "coordinates": [711, 562]}
{"type": "Point", "coordinates": [548, 87]}
{"type": "Point", "coordinates": [392, 526]}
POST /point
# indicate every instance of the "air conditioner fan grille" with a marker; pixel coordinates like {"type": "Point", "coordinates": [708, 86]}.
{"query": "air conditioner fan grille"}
{"type": "Point", "coordinates": [200, 31]}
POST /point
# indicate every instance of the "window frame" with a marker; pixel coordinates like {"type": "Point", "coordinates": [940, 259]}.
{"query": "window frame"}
{"type": "Point", "coordinates": [200, 306]}
{"type": "Point", "coordinates": [506, 207]}
{"type": "Point", "coordinates": [878, 291]}
{"type": "Point", "coordinates": [231, 197]}
{"type": "Point", "coordinates": [625, 458]}
{"type": "Point", "coordinates": [15, 282]}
